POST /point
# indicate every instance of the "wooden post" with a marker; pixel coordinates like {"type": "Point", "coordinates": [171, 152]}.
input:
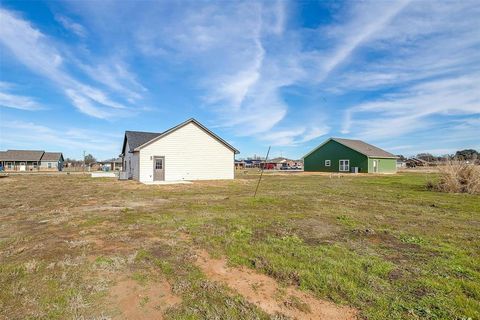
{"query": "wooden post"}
{"type": "Point", "coordinates": [261, 173]}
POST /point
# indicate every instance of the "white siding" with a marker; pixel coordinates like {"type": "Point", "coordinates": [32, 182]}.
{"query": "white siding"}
{"type": "Point", "coordinates": [131, 163]}
{"type": "Point", "coordinates": [135, 165]}
{"type": "Point", "coordinates": [190, 154]}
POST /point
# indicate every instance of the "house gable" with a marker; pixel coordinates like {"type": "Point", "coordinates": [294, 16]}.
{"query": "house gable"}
{"type": "Point", "coordinates": [359, 146]}
{"type": "Point", "coordinates": [326, 158]}
{"type": "Point", "coordinates": [193, 121]}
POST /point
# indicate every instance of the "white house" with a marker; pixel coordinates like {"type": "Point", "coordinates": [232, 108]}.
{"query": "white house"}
{"type": "Point", "coordinates": [188, 151]}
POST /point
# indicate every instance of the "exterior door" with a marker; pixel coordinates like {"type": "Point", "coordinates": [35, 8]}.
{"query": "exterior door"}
{"type": "Point", "coordinates": [23, 166]}
{"type": "Point", "coordinates": [375, 166]}
{"type": "Point", "coordinates": [159, 169]}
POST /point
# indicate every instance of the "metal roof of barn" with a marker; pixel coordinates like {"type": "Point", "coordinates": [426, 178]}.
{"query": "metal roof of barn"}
{"type": "Point", "coordinates": [360, 146]}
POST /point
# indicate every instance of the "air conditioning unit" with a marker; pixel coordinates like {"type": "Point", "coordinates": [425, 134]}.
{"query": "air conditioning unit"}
{"type": "Point", "coordinates": [123, 175]}
{"type": "Point", "coordinates": [355, 169]}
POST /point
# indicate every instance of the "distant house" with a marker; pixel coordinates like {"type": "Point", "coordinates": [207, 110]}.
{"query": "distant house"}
{"type": "Point", "coordinates": [252, 163]}
{"type": "Point", "coordinates": [188, 151]}
{"type": "Point", "coordinates": [111, 164]}
{"type": "Point", "coordinates": [240, 164]}
{"type": "Point", "coordinates": [31, 160]}
{"type": "Point", "coordinates": [285, 163]}
{"type": "Point", "coordinates": [345, 155]}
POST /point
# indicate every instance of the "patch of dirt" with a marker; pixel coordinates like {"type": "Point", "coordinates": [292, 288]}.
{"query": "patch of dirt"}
{"type": "Point", "coordinates": [112, 206]}
{"type": "Point", "coordinates": [135, 301]}
{"type": "Point", "coordinates": [265, 292]}
{"type": "Point", "coordinates": [316, 230]}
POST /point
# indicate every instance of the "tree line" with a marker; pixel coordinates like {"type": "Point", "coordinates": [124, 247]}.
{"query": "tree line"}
{"type": "Point", "coordinates": [463, 155]}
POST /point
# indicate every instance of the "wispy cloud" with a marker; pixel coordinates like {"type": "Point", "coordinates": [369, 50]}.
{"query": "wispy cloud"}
{"type": "Point", "coordinates": [294, 136]}
{"type": "Point", "coordinates": [381, 70]}
{"type": "Point", "coordinates": [16, 101]}
{"type": "Point", "coordinates": [117, 77]}
{"type": "Point", "coordinates": [37, 52]}
{"type": "Point", "coordinates": [436, 74]}
{"type": "Point", "coordinates": [71, 25]}
{"type": "Point", "coordinates": [367, 19]}
{"type": "Point", "coordinates": [71, 141]}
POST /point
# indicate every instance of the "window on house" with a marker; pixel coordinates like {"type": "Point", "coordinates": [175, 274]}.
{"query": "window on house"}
{"type": "Point", "coordinates": [327, 163]}
{"type": "Point", "coordinates": [344, 165]}
{"type": "Point", "coordinates": [49, 165]}
{"type": "Point", "coordinates": [159, 164]}
{"type": "Point", "coordinates": [9, 165]}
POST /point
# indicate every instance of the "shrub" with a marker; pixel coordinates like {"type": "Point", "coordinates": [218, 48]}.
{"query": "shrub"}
{"type": "Point", "coordinates": [458, 177]}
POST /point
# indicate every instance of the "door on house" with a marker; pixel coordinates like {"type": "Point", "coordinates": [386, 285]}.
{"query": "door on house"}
{"type": "Point", "coordinates": [375, 165]}
{"type": "Point", "coordinates": [158, 168]}
{"type": "Point", "coordinates": [23, 167]}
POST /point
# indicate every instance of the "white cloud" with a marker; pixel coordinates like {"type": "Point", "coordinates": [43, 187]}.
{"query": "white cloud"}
{"type": "Point", "coordinates": [369, 19]}
{"type": "Point", "coordinates": [412, 108]}
{"type": "Point", "coordinates": [390, 68]}
{"type": "Point", "coordinates": [16, 101]}
{"type": "Point", "coordinates": [71, 26]}
{"type": "Point", "coordinates": [117, 77]}
{"type": "Point", "coordinates": [427, 71]}
{"type": "Point", "coordinates": [32, 48]}
{"type": "Point", "coordinates": [294, 136]}
{"type": "Point", "coordinates": [71, 141]}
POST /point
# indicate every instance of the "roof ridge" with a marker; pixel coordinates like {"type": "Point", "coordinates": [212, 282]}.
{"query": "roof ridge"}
{"type": "Point", "coordinates": [24, 150]}
{"type": "Point", "coordinates": [357, 145]}
{"type": "Point", "coordinates": [143, 131]}
{"type": "Point", "coordinates": [199, 124]}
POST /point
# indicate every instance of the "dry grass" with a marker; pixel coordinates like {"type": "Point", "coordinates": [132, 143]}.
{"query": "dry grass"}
{"type": "Point", "coordinates": [383, 245]}
{"type": "Point", "coordinates": [458, 177]}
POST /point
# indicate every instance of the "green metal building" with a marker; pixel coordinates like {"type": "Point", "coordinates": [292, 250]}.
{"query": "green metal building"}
{"type": "Point", "coordinates": [345, 155]}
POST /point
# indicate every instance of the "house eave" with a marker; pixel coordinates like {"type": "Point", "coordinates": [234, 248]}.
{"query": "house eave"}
{"type": "Point", "coordinates": [191, 120]}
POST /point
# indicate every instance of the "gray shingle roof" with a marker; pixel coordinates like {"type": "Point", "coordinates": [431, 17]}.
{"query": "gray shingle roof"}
{"type": "Point", "coordinates": [137, 138]}
{"type": "Point", "coordinates": [52, 156]}
{"type": "Point", "coordinates": [365, 148]}
{"type": "Point", "coordinates": [21, 155]}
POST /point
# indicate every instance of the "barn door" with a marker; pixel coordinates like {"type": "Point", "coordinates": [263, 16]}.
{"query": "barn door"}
{"type": "Point", "coordinates": [158, 168]}
{"type": "Point", "coordinates": [375, 166]}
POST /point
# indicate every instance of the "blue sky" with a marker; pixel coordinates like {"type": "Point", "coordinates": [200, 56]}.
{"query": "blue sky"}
{"type": "Point", "coordinates": [403, 75]}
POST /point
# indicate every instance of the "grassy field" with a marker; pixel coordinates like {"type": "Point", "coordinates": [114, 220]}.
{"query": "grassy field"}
{"type": "Point", "coordinates": [76, 247]}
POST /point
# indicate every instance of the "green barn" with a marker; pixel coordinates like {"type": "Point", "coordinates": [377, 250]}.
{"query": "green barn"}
{"type": "Point", "coordinates": [345, 155]}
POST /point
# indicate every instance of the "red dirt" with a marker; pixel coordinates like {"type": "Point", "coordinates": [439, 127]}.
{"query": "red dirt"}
{"type": "Point", "coordinates": [142, 302]}
{"type": "Point", "coordinates": [265, 292]}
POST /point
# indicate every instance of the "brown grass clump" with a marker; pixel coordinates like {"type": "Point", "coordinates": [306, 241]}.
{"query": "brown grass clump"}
{"type": "Point", "coordinates": [457, 177]}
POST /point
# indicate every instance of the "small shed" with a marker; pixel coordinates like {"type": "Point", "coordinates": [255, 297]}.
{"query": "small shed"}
{"type": "Point", "coordinates": [347, 155]}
